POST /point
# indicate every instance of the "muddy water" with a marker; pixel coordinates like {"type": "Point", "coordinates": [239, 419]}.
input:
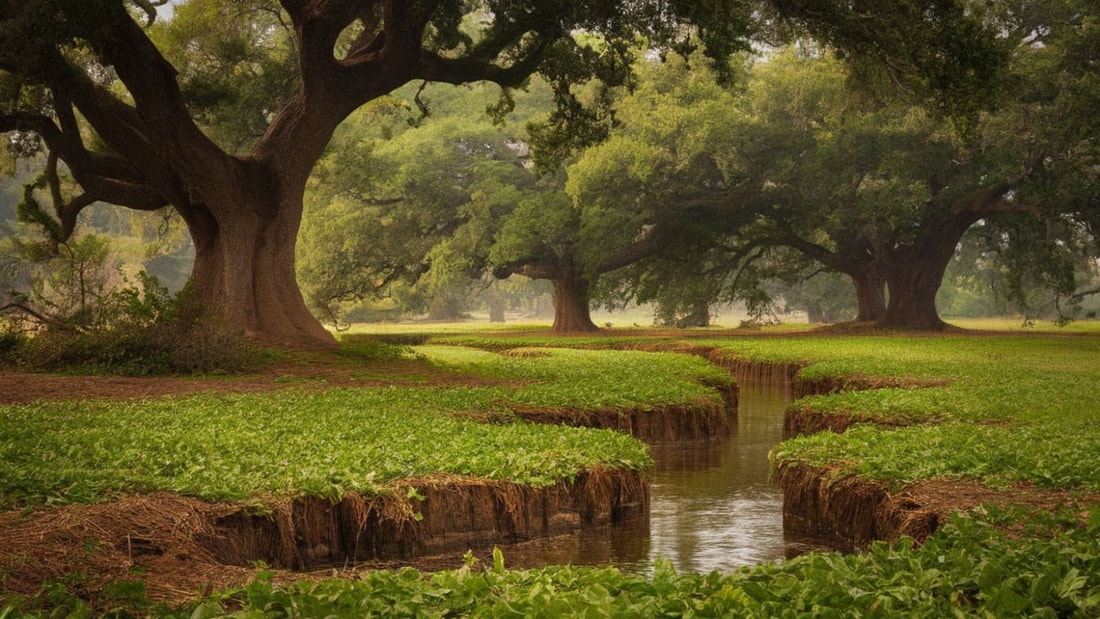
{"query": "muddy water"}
{"type": "Point", "coordinates": [712, 505]}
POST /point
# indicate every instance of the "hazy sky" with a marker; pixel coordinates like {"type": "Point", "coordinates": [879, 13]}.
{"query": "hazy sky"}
{"type": "Point", "coordinates": [166, 11]}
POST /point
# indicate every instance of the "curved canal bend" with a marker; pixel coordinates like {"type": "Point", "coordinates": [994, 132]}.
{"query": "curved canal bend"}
{"type": "Point", "coordinates": [713, 506]}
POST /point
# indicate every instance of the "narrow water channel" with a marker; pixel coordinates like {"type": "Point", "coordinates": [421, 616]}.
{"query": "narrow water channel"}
{"type": "Point", "coordinates": [712, 504]}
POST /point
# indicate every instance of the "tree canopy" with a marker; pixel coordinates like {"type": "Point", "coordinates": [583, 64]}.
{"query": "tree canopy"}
{"type": "Point", "coordinates": [223, 115]}
{"type": "Point", "coordinates": [882, 189]}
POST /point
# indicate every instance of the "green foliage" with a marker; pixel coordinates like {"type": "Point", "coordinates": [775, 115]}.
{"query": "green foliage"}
{"type": "Point", "coordinates": [362, 347]}
{"type": "Point", "coordinates": [589, 379]}
{"type": "Point", "coordinates": [294, 443]}
{"type": "Point", "coordinates": [971, 567]}
{"type": "Point", "coordinates": [135, 330]}
{"type": "Point", "coordinates": [1003, 410]}
{"type": "Point", "coordinates": [409, 212]}
{"type": "Point", "coordinates": [328, 443]}
{"type": "Point", "coordinates": [30, 210]}
{"type": "Point", "coordinates": [236, 63]}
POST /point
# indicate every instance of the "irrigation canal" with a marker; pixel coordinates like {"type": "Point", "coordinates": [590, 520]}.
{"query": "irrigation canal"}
{"type": "Point", "coordinates": [712, 504]}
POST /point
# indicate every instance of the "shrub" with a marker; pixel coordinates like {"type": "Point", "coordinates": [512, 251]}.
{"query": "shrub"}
{"type": "Point", "coordinates": [145, 331]}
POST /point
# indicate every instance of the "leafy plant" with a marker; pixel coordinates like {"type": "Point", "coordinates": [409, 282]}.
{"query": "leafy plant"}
{"type": "Point", "coordinates": [972, 567]}
{"type": "Point", "coordinates": [140, 330]}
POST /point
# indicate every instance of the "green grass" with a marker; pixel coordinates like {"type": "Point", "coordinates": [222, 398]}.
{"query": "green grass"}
{"type": "Point", "coordinates": [1014, 408]}
{"type": "Point", "coordinates": [325, 443]}
{"type": "Point", "coordinates": [589, 379]}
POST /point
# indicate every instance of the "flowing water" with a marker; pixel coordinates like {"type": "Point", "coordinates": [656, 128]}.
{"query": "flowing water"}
{"type": "Point", "coordinates": [712, 504]}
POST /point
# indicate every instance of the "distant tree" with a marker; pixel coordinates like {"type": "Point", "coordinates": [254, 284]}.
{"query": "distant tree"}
{"type": "Point", "coordinates": [883, 190]}
{"type": "Point", "coordinates": [409, 212]}
{"type": "Point", "coordinates": [622, 200]}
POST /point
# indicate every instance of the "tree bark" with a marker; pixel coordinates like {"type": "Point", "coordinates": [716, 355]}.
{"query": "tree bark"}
{"type": "Point", "coordinates": [913, 281]}
{"type": "Point", "coordinates": [870, 294]}
{"type": "Point", "coordinates": [244, 278]}
{"type": "Point", "coordinates": [571, 310]}
{"type": "Point", "coordinates": [914, 272]}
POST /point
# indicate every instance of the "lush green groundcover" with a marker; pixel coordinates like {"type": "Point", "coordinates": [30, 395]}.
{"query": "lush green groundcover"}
{"type": "Point", "coordinates": [325, 443]}
{"type": "Point", "coordinates": [1013, 409]}
{"type": "Point", "coordinates": [971, 567]}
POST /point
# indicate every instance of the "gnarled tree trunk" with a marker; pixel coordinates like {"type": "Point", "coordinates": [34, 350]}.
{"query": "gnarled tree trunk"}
{"type": "Point", "coordinates": [914, 272]}
{"type": "Point", "coordinates": [571, 310]}
{"type": "Point", "coordinates": [244, 277]}
{"type": "Point", "coordinates": [913, 282]}
{"type": "Point", "coordinates": [870, 294]}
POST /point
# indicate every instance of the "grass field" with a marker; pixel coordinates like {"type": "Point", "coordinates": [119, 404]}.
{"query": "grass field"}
{"type": "Point", "coordinates": [1018, 408]}
{"type": "Point", "coordinates": [327, 442]}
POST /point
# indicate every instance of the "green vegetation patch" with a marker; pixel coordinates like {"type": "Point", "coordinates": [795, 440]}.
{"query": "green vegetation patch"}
{"type": "Point", "coordinates": [287, 443]}
{"type": "Point", "coordinates": [326, 443]}
{"type": "Point", "coordinates": [1012, 409]}
{"type": "Point", "coordinates": [971, 567]}
{"type": "Point", "coordinates": [589, 379]}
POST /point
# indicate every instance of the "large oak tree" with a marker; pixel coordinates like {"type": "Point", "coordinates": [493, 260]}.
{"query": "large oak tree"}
{"type": "Point", "coordinates": [147, 148]}
{"type": "Point", "coordinates": [89, 81]}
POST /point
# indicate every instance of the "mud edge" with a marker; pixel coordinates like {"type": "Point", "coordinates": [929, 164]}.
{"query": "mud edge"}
{"type": "Point", "coordinates": [440, 517]}
{"type": "Point", "coordinates": [690, 422]}
{"type": "Point", "coordinates": [850, 512]}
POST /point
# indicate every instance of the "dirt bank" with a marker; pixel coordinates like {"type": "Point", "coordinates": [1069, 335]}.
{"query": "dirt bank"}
{"type": "Point", "coordinates": [851, 512]}
{"type": "Point", "coordinates": [181, 547]}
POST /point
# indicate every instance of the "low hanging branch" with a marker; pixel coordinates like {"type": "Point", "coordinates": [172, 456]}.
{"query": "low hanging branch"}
{"type": "Point", "coordinates": [42, 319]}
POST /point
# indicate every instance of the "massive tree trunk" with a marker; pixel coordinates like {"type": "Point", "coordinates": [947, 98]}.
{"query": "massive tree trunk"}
{"type": "Point", "coordinates": [245, 280]}
{"type": "Point", "coordinates": [870, 294]}
{"type": "Point", "coordinates": [914, 271]}
{"type": "Point", "coordinates": [571, 310]}
{"type": "Point", "coordinates": [913, 281]}
{"type": "Point", "coordinates": [571, 286]}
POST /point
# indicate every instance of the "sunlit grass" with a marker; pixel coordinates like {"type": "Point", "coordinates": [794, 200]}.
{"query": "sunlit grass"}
{"type": "Point", "coordinates": [542, 328]}
{"type": "Point", "coordinates": [589, 379]}
{"type": "Point", "coordinates": [1018, 325]}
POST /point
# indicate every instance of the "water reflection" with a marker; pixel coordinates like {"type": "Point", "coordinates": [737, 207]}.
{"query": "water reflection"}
{"type": "Point", "coordinates": [712, 505]}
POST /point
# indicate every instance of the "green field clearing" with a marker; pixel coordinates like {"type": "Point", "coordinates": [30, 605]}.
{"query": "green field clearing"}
{"type": "Point", "coordinates": [325, 443]}
{"type": "Point", "coordinates": [1005, 409]}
